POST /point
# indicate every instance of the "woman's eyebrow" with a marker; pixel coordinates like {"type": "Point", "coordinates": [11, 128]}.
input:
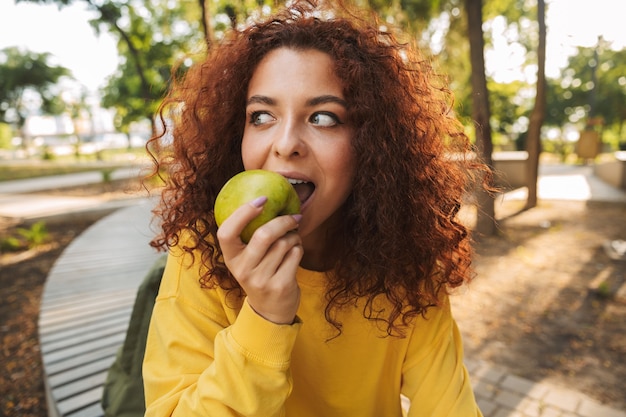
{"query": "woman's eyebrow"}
{"type": "Point", "coordinates": [328, 98]}
{"type": "Point", "coordinates": [258, 99]}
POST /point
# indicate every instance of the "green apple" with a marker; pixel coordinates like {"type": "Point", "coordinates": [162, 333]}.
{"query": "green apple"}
{"type": "Point", "coordinates": [246, 186]}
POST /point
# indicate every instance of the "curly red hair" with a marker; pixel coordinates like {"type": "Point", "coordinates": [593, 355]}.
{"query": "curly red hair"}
{"type": "Point", "coordinates": [401, 238]}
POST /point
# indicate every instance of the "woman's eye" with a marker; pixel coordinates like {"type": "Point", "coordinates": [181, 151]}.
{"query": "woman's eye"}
{"type": "Point", "coordinates": [325, 119]}
{"type": "Point", "coordinates": [259, 118]}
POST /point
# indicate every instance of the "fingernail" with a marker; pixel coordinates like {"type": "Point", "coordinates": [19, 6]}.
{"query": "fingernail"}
{"type": "Point", "coordinates": [297, 217]}
{"type": "Point", "coordinates": [259, 201]}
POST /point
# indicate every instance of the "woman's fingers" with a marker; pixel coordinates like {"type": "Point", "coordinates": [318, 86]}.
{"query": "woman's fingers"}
{"type": "Point", "coordinates": [270, 259]}
{"type": "Point", "coordinates": [271, 287]}
{"type": "Point", "coordinates": [266, 266]}
{"type": "Point", "coordinates": [230, 231]}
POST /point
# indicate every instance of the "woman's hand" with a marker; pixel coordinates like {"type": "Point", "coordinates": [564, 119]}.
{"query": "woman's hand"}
{"type": "Point", "coordinates": [265, 267]}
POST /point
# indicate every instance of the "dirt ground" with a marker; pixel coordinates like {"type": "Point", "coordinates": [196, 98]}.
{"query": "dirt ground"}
{"type": "Point", "coordinates": [547, 303]}
{"type": "Point", "coordinates": [22, 277]}
{"type": "Point", "coordinates": [544, 303]}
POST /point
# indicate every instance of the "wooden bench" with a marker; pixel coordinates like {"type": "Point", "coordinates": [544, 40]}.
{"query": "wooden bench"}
{"type": "Point", "coordinates": [86, 305]}
{"type": "Point", "coordinates": [613, 172]}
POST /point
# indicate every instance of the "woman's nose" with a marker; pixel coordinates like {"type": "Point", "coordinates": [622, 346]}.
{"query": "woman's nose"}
{"type": "Point", "coordinates": [289, 142]}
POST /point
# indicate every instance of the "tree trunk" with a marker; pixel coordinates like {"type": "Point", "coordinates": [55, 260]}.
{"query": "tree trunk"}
{"type": "Point", "coordinates": [481, 113]}
{"type": "Point", "coordinates": [533, 143]}
{"type": "Point", "coordinates": [206, 22]}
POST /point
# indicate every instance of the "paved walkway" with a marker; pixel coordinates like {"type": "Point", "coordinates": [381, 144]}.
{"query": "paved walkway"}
{"type": "Point", "coordinates": [571, 182]}
{"type": "Point", "coordinates": [499, 393]}
{"type": "Point", "coordinates": [27, 199]}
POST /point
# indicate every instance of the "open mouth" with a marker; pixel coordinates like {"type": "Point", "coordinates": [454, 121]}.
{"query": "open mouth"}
{"type": "Point", "coordinates": [303, 188]}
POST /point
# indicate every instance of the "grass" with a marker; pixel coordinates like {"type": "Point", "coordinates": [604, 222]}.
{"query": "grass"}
{"type": "Point", "coordinates": [33, 168]}
{"type": "Point", "coordinates": [41, 169]}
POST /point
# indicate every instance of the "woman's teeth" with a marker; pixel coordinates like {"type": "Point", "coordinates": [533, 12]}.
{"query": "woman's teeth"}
{"type": "Point", "coordinates": [303, 188]}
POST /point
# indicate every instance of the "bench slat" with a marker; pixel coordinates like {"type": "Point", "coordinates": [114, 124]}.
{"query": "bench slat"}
{"type": "Point", "coordinates": [112, 340]}
{"type": "Point", "coordinates": [81, 360]}
{"type": "Point", "coordinates": [80, 401]}
{"type": "Point", "coordinates": [86, 305]}
{"type": "Point", "coordinates": [61, 334]}
{"type": "Point", "coordinates": [84, 337]}
{"type": "Point", "coordinates": [84, 373]}
{"type": "Point", "coordinates": [74, 388]}
{"type": "Point", "coordinates": [94, 410]}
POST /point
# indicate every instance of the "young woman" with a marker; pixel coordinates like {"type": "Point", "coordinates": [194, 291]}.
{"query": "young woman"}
{"type": "Point", "coordinates": [343, 309]}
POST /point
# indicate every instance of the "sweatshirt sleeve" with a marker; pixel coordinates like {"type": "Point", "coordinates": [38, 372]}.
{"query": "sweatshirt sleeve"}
{"type": "Point", "coordinates": [435, 379]}
{"type": "Point", "coordinates": [205, 358]}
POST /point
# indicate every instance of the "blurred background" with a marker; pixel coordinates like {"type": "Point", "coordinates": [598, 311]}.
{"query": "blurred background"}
{"type": "Point", "coordinates": [81, 76]}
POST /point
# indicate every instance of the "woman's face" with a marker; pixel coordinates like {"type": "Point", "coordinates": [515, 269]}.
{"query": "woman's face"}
{"type": "Point", "coordinates": [297, 125]}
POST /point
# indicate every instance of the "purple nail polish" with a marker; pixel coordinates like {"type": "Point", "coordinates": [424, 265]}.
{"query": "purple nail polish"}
{"type": "Point", "coordinates": [259, 201]}
{"type": "Point", "coordinates": [297, 217]}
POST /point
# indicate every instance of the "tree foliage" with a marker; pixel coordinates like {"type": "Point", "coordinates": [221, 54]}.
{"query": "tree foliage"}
{"type": "Point", "coordinates": [154, 37]}
{"type": "Point", "coordinates": [22, 72]}
{"type": "Point", "coordinates": [592, 85]}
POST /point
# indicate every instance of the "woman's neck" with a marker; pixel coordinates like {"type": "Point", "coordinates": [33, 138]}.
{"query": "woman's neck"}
{"type": "Point", "coordinates": [314, 259]}
{"type": "Point", "coordinates": [319, 252]}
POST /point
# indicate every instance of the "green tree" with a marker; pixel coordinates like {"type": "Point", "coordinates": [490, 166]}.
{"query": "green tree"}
{"type": "Point", "coordinates": [462, 60]}
{"type": "Point", "coordinates": [510, 112]}
{"type": "Point", "coordinates": [412, 16]}
{"type": "Point", "coordinates": [78, 108]}
{"type": "Point", "coordinates": [157, 36]}
{"type": "Point", "coordinates": [593, 86]}
{"type": "Point", "coordinates": [453, 55]}
{"type": "Point", "coordinates": [152, 37]}
{"type": "Point", "coordinates": [23, 73]}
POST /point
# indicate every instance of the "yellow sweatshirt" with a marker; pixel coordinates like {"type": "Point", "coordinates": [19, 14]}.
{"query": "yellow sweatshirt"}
{"type": "Point", "coordinates": [212, 356]}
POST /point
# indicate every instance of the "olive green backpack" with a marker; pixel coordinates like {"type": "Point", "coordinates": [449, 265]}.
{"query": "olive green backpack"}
{"type": "Point", "coordinates": [123, 394]}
